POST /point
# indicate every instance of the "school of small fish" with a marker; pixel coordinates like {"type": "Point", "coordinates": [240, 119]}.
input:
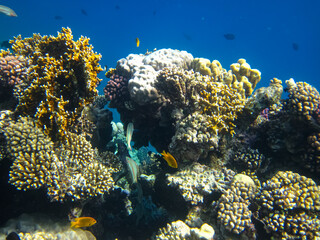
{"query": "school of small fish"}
{"type": "Point", "coordinates": [7, 11]}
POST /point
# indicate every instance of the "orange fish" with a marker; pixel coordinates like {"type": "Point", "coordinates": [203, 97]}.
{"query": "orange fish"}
{"type": "Point", "coordinates": [7, 11]}
{"type": "Point", "coordinates": [83, 222]}
{"type": "Point", "coordinates": [172, 162]}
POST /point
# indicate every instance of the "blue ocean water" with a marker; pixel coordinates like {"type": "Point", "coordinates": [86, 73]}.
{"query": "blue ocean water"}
{"type": "Point", "coordinates": [265, 31]}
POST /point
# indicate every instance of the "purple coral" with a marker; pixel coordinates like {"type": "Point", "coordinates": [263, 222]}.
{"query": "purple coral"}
{"type": "Point", "coordinates": [117, 88]}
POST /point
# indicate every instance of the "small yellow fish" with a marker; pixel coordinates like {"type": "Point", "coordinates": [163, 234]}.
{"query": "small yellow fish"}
{"type": "Point", "coordinates": [172, 162]}
{"type": "Point", "coordinates": [7, 11]}
{"type": "Point", "coordinates": [137, 42]}
{"type": "Point", "coordinates": [83, 222]}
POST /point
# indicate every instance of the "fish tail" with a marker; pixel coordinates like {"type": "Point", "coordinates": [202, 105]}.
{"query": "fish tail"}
{"type": "Point", "coordinates": [73, 224]}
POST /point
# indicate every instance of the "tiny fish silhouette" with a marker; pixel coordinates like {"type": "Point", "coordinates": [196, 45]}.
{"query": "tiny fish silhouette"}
{"type": "Point", "coordinates": [83, 222]}
{"type": "Point", "coordinates": [84, 12]}
{"type": "Point", "coordinates": [137, 42]}
{"type": "Point", "coordinates": [7, 11]}
{"type": "Point", "coordinates": [295, 46]}
{"type": "Point", "coordinates": [229, 36]}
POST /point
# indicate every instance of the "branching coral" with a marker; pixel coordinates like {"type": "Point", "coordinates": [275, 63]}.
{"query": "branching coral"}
{"type": "Point", "coordinates": [62, 79]}
{"type": "Point", "coordinates": [221, 104]}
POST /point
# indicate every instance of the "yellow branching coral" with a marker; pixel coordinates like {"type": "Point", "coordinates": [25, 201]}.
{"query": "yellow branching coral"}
{"type": "Point", "coordinates": [221, 103]}
{"type": "Point", "coordinates": [62, 79]}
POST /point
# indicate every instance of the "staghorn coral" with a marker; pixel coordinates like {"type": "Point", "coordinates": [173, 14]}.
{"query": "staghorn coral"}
{"type": "Point", "coordinates": [69, 171]}
{"type": "Point", "coordinates": [303, 99]}
{"type": "Point", "coordinates": [233, 207]}
{"type": "Point", "coordinates": [62, 79]}
{"type": "Point", "coordinates": [197, 181]}
{"type": "Point", "coordinates": [290, 205]}
{"type": "Point", "coordinates": [180, 231]}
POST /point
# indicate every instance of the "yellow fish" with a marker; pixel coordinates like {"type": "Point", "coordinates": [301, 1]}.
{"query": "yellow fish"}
{"type": "Point", "coordinates": [137, 42]}
{"type": "Point", "coordinates": [83, 222]}
{"type": "Point", "coordinates": [170, 159]}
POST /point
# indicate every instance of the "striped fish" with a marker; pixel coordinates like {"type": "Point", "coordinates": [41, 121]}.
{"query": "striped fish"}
{"type": "Point", "coordinates": [133, 170]}
{"type": "Point", "coordinates": [7, 11]}
{"type": "Point", "coordinates": [129, 135]}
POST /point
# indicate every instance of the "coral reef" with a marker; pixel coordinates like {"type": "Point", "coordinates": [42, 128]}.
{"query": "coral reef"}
{"type": "Point", "coordinates": [62, 79]}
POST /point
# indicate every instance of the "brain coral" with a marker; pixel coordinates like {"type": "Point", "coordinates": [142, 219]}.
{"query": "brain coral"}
{"type": "Point", "coordinates": [62, 79]}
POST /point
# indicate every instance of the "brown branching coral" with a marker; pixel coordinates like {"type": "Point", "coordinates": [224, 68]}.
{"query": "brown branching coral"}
{"type": "Point", "coordinates": [62, 79]}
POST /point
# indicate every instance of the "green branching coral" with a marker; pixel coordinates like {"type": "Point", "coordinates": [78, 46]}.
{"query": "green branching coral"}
{"type": "Point", "coordinates": [62, 79]}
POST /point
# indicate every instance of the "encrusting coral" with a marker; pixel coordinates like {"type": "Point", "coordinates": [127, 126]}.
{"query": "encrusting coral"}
{"type": "Point", "coordinates": [62, 79]}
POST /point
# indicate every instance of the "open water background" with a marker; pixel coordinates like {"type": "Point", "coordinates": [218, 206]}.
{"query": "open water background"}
{"type": "Point", "coordinates": [265, 31]}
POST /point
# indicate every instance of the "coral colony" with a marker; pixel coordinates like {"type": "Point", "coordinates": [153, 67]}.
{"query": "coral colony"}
{"type": "Point", "coordinates": [238, 161]}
